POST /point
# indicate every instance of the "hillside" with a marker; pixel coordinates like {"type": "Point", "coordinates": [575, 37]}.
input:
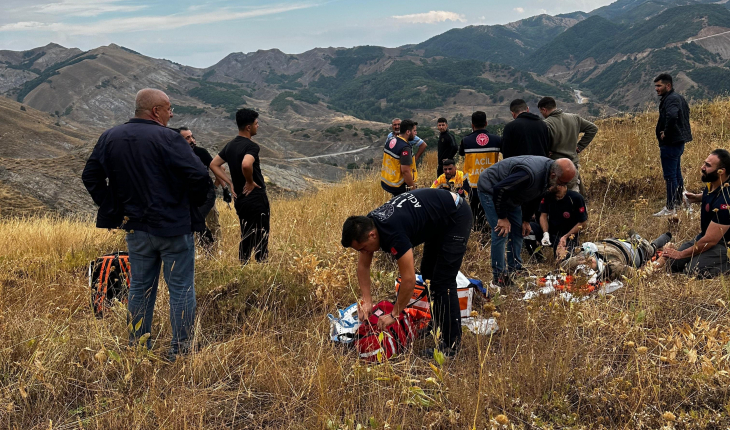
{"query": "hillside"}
{"type": "Point", "coordinates": [652, 355]}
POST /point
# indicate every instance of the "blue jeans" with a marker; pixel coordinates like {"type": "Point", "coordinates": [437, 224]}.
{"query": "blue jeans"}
{"type": "Point", "coordinates": [176, 255]}
{"type": "Point", "coordinates": [671, 157]}
{"type": "Point", "coordinates": [514, 246]}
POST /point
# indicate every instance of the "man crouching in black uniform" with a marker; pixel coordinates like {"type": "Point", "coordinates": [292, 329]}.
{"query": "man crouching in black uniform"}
{"type": "Point", "coordinates": [439, 219]}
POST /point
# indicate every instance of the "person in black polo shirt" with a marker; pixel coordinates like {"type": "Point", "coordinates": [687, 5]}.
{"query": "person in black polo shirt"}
{"type": "Point", "coordinates": [562, 216]}
{"type": "Point", "coordinates": [247, 183]}
{"type": "Point", "coordinates": [439, 219]}
{"type": "Point", "coordinates": [706, 255]}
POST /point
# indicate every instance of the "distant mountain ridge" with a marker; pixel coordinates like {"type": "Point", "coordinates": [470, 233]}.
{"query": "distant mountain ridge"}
{"type": "Point", "coordinates": [334, 104]}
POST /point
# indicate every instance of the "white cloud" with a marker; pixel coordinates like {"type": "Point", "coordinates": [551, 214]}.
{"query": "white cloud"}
{"type": "Point", "coordinates": [146, 23]}
{"type": "Point", "coordinates": [431, 17]}
{"type": "Point", "coordinates": [87, 7]}
{"type": "Point", "coordinates": [519, 10]}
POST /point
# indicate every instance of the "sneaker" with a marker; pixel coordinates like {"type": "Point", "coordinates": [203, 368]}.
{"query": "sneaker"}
{"type": "Point", "coordinates": [666, 212]}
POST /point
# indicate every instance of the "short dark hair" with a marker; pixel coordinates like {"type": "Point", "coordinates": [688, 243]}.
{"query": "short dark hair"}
{"type": "Point", "coordinates": [407, 125]}
{"type": "Point", "coordinates": [547, 103]}
{"type": "Point", "coordinates": [448, 162]}
{"type": "Point", "coordinates": [724, 157]}
{"type": "Point", "coordinates": [442, 119]}
{"type": "Point", "coordinates": [517, 106]}
{"type": "Point", "coordinates": [665, 78]}
{"type": "Point", "coordinates": [245, 117]}
{"type": "Point", "coordinates": [479, 119]}
{"type": "Point", "coordinates": [356, 228]}
{"type": "Point", "coordinates": [183, 128]}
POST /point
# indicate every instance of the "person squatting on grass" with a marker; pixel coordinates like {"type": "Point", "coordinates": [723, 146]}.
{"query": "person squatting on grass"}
{"type": "Point", "coordinates": [437, 218]}
{"type": "Point", "coordinates": [510, 191]}
{"type": "Point", "coordinates": [452, 179]}
{"type": "Point", "coordinates": [249, 188]}
{"type": "Point", "coordinates": [561, 218]}
{"type": "Point", "coordinates": [155, 185]}
{"type": "Point", "coordinates": [706, 255]}
{"type": "Point", "coordinates": [672, 132]}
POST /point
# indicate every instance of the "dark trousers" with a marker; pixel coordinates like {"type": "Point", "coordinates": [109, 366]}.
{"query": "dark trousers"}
{"type": "Point", "coordinates": [205, 237]}
{"type": "Point", "coordinates": [441, 263]}
{"type": "Point", "coordinates": [393, 190]}
{"type": "Point", "coordinates": [671, 157]}
{"type": "Point", "coordinates": [479, 220]}
{"type": "Point", "coordinates": [439, 170]}
{"type": "Point", "coordinates": [532, 245]}
{"type": "Point", "coordinates": [709, 264]}
{"type": "Point", "coordinates": [254, 214]}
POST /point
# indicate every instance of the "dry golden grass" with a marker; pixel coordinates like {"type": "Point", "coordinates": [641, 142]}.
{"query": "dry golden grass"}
{"type": "Point", "coordinates": [653, 354]}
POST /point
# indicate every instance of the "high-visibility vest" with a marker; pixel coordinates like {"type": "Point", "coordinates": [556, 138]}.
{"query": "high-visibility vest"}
{"type": "Point", "coordinates": [390, 173]}
{"type": "Point", "coordinates": [458, 180]}
{"type": "Point", "coordinates": [481, 150]}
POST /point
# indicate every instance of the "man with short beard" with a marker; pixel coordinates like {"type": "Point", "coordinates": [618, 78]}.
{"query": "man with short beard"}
{"type": "Point", "coordinates": [418, 145]}
{"type": "Point", "coordinates": [706, 255]}
{"type": "Point", "coordinates": [508, 191]}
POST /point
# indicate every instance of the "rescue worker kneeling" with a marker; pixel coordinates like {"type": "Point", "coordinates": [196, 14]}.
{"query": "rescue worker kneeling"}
{"type": "Point", "coordinates": [562, 217]}
{"type": "Point", "coordinates": [439, 219]}
{"type": "Point", "coordinates": [452, 179]}
{"type": "Point", "coordinates": [610, 259]}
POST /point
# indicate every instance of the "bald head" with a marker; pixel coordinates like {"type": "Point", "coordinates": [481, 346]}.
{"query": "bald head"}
{"type": "Point", "coordinates": [565, 170]}
{"type": "Point", "coordinates": [154, 105]}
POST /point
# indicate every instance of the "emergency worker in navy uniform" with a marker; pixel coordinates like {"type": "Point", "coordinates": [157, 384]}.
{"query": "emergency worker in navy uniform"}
{"type": "Point", "coordinates": [480, 150]}
{"type": "Point", "coordinates": [437, 218]}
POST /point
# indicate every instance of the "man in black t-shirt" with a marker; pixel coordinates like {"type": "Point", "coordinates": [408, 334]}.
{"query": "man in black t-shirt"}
{"type": "Point", "coordinates": [247, 183]}
{"type": "Point", "coordinates": [706, 255]}
{"type": "Point", "coordinates": [562, 216]}
{"type": "Point", "coordinates": [208, 211]}
{"type": "Point", "coordinates": [439, 219]}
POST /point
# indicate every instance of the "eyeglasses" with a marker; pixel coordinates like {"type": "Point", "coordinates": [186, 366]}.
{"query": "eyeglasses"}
{"type": "Point", "coordinates": [170, 109]}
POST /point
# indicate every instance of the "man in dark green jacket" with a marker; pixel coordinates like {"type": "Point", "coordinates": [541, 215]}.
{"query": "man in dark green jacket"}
{"type": "Point", "coordinates": [565, 129]}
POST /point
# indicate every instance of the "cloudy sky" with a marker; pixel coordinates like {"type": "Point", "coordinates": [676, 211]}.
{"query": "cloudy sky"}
{"type": "Point", "coordinates": [201, 32]}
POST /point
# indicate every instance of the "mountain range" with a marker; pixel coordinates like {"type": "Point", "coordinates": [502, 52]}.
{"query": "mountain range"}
{"type": "Point", "coordinates": [325, 111]}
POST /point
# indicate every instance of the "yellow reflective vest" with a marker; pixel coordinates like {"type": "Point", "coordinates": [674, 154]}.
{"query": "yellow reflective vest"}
{"type": "Point", "coordinates": [390, 173]}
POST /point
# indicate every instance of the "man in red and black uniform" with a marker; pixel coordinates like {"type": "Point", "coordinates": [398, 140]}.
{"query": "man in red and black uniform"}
{"type": "Point", "coordinates": [247, 183]}
{"type": "Point", "coordinates": [706, 255]}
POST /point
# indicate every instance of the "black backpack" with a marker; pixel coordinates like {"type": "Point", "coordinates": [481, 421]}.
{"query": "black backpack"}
{"type": "Point", "coordinates": [109, 277]}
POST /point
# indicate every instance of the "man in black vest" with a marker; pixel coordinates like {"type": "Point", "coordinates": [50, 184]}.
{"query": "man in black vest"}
{"type": "Point", "coordinates": [503, 189]}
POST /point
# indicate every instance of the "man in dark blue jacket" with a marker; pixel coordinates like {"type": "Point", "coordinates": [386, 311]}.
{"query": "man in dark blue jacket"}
{"type": "Point", "coordinates": [672, 131]}
{"type": "Point", "coordinates": [146, 180]}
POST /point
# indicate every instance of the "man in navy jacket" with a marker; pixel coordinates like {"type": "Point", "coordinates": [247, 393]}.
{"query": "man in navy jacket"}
{"type": "Point", "coordinates": [146, 180]}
